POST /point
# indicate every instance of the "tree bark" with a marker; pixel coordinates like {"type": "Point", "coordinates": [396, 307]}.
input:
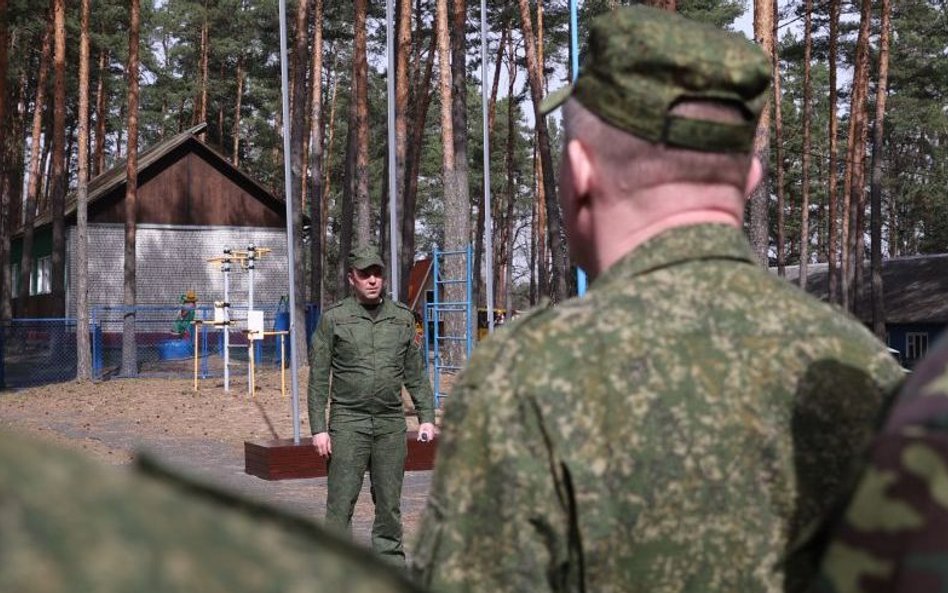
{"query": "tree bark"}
{"type": "Point", "coordinates": [554, 225]}
{"type": "Point", "coordinates": [200, 113]}
{"type": "Point", "coordinates": [360, 82]}
{"type": "Point", "coordinates": [235, 154]}
{"type": "Point", "coordinates": [298, 168]}
{"type": "Point", "coordinates": [760, 197]}
{"type": "Point", "coordinates": [833, 269]}
{"type": "Point", "coordinates": [455, 236]}
{"type": "Point", "coordinates": [854, 190]}
{"type": "Point", "coordinates": [32, 191]}
{"type": "Point", "coordinates": [807, 115]}
{"type": "Point", "coordinates": [98, 159]}
{"type": "Point", "coordinates": [778, 157]}
{"type": "Point", "coordinates": [129, 346]}
{"type": "Point", "coordinates": [58, 189]}
{"type": "Point", "coordinates": [84, 355]}
{"type": "Point", "coordinates": [878, 302]}
{"type": "Point", "coordinates": [315, 177]}
{"type": "Point", "coordinates": [347, 207]}
{"type": "Point", "coordinates": [422, 100]}
{"type": "Point", "coordinates": [6, 186]}
{"type": "Point", "coordinates": [402, 52]}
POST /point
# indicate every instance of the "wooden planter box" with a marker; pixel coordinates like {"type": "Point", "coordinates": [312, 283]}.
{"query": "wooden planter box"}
{"type": "Point", "coordinates": [283, 460]}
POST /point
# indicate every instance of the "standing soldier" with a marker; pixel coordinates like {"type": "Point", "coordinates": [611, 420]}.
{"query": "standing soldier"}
{"type": "Point", "coordinates": [679, 427]}
{"type": "Point", "coordinates": [367, 344]}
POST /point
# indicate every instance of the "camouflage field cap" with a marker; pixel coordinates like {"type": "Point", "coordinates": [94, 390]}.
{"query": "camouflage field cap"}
{"type": "Point", "coordinates": [642, 61]}
{"type": "Point", "coordinates": [361, 258]}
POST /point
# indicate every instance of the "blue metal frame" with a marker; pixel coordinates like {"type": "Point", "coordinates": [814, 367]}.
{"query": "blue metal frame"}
{"type": "Point", "coordinates": [435, 309]}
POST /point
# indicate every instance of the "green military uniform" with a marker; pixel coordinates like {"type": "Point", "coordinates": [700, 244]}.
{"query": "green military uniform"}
{"type": "Point", "coordinates": [678, 427]}
{"type": "Point", "coordinates": [893, 535]}
{"type": "Point", "coordinates": [369, 358]}
{"type": "Point", "coordinates": [673, 430]}
{"type": "Point", "coordinates": [69, 524]}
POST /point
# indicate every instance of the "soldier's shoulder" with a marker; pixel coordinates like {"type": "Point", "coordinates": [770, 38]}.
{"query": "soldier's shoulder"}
{"type": "Point", "coordinates": [403, 309]}
{"type": "Point", "coordinates": [71, 513]}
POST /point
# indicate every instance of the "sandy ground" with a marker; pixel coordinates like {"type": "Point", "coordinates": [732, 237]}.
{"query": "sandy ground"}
{"type": "Point", "coordinates": [201, 432]}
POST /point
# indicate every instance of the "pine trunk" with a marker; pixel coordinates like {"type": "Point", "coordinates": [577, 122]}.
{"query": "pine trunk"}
{"type": "Point", "coordinates": [315, 177]}
{"type": "Point", "coordinates": [129, 346]}
{"type": "Point", "coordinates": [878, 303]}
{"type": "Point", "coordinates": [832, 249]}
{"type": "Point", "coordinates": [298, 170]}
{"type": "Point", "coordinates": [360, 78]}
{"type": "Point", "coordinates": [854, 184]}
{"type": "Point", "coordinates": [403, 48]}
{"type": "Point", "coordinates": [32, 191]}
{"type": "Point", "coordinates": [807, 114]}
{"type": "Point", "coordinates": [758, 224]}
{"type": "Point", "coordinates": [84, 360]}
{"type": "Point", "coordinates": [778, 157]}
{"type": "Point", "coordinates": [235, 154]}
{"type": "Point", "coordinates": [98, 153]}
{"type": "Point", "coordinates": [560, 261]}
{"type": "Point", "coordinates": [58, 188]}
{"type": "Point", "coordinates": [5, 161]}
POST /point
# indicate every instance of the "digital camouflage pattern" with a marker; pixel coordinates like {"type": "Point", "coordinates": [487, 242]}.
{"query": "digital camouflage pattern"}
{"type": "Point", "coordinates": [71, 525]}
{"type": "Point", "coordinates": [893, 535]}
{"type": "Point", "coordinates": [642, 61]}
{"type": "Point", "coordinates": [674, 430]}
{"type": "Point", "coordinates": [369, 359]}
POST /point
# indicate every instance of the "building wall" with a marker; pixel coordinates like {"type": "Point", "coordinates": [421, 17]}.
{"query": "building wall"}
{"type": "Point", "coordinates": [173, 259]}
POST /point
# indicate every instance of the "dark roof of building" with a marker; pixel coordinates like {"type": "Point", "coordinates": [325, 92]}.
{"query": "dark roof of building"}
{"type": "Point", "coordinates": [106, 182]}
{"type": "Point", "coordinates": [915, 288]}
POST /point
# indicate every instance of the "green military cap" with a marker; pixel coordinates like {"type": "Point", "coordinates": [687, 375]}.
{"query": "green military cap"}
{"type": "Point", "coordinates": [642, 61]}
{"type": "Point", "coordinates": [361, 258]}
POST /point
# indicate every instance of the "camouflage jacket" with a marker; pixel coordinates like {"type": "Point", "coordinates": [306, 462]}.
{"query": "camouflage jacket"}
{"type": "Point", "coordinates": [71, 525]}
{"type": "Point", "coordinates": [369, 359]}
{"type": "Point", "coordinates": [893, 535]}
{"type": "Point", "coordinates": [673, 430]}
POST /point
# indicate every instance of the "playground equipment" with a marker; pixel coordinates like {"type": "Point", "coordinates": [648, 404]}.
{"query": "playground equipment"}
{"type": "Point", "coordinates": [437, 311]}
{"type": "Point", "coordinates": [246, 259]}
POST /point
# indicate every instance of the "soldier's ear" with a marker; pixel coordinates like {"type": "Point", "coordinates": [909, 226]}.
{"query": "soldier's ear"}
{"type": "Point", "coordinates": [754, 176]}
{"type": "Point", "coordinates": [580, 168]}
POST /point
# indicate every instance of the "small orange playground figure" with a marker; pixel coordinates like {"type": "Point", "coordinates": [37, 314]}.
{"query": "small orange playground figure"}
{"type": "Point", "coordinates": [182, 325]}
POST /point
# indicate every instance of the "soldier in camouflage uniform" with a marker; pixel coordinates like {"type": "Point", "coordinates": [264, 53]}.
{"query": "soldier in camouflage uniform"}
{"type": "Point", "coordinates": [893, 535]}
{"type": "Point", "coordinates": [367, 344]}
{"type": "Point", "coordinates": [676, 428]}
{"type": "Point", "coordinates": [71, 525]}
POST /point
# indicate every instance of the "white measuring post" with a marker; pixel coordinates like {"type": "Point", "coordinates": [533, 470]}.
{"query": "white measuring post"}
{"type": "Point", "coordinates": [251, 257]}
{"type": "Point", "coordinates": [225, 266]}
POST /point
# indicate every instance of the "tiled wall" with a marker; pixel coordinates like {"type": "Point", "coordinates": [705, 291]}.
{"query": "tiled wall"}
{"type": "Point", "coordinates": [173, 259]}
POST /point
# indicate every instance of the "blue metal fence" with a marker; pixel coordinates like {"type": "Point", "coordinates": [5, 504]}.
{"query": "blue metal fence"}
{"type": "Point", "coordinates": [41, 351]}
{"type": "Point", "coordinates": [37, 351]}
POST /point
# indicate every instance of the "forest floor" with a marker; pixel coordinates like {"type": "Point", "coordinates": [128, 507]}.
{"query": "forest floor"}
{"type": "Point", "coordinates": [201, 432]}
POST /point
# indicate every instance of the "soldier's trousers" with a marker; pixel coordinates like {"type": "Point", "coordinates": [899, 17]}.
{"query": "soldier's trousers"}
{"type": "Point", "coordinates": [354, 451]}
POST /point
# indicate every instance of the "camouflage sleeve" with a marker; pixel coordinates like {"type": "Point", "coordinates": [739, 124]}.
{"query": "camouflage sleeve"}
{"type": "Point", "coordinates": [320, 363]}
{"type": "Point", "coordinates": [498, 514]}
{"type": "Point", "coordinates": [892, 536]}
{"type": "Point", "coordinates": [417, 383]}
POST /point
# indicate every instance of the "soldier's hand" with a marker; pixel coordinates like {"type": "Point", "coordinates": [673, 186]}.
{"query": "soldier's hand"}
{"type": "Point", "coordinates": [323, 444]}
{"type": "Point", "coordinates": [426, 432]}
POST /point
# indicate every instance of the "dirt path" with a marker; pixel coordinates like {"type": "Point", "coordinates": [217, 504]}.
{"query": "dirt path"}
{"type": "Point", "coordinates": [202, 433]}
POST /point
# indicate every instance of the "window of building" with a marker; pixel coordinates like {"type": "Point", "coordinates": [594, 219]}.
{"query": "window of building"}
{"type": "Point", "coordinates": [916, 345]}
{"type": "Point", "coordinates": [42, 277]}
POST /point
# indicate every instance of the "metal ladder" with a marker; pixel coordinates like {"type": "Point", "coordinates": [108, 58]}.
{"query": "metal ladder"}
{"type": "Point", "coordinates": [437, 311]}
